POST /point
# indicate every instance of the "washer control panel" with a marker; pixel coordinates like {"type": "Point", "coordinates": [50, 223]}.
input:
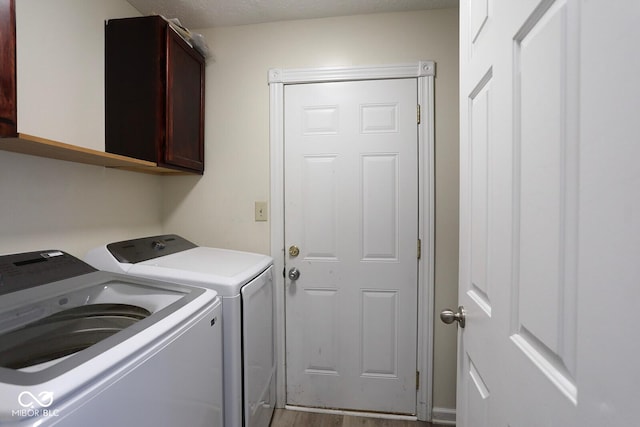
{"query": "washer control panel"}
{"type": "Point", "coordinates": [146, 248]}
{"type": "Point", "coordinates": [25, 270]}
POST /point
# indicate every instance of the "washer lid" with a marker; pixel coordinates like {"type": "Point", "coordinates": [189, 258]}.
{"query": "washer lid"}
{"type": "Point", "coordinates": [223, 270]}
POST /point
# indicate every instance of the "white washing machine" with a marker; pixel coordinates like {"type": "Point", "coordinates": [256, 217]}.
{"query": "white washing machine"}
{"type": "Point", "coordinates": [245, 283]}
{"type": "Point", "coordinates": [81, 347]}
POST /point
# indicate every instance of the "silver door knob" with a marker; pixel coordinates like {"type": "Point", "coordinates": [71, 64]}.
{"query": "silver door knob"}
{"type": "Point", "coordinates": [449, 316]}
{"type": "Point", "coordinates": [294, 274]}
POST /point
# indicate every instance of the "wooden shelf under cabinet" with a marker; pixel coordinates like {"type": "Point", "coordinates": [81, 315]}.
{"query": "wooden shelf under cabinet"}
{"type": "Point", "coordinates": [36, 146]}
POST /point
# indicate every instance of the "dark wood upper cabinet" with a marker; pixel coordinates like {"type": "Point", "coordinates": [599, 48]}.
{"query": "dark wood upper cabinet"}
{"type": "Point", "coordinates": [8, 103]}
{"type": "Point", "coordinates": [154, 92]}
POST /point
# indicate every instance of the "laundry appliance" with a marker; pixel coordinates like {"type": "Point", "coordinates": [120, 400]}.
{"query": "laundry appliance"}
{"type": "Point", "coordinates": [81, 347]}
{"type": "Point", "coordinates": [244, 281]}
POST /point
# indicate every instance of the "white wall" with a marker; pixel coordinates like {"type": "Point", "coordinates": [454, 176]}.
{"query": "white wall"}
{"type": "Point", "coordinates": [50, 203]}
{"type": "Point", "coordinates": [217, 209]}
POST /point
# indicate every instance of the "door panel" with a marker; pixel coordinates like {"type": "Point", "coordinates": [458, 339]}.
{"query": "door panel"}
{"type": "Point", "coordinates": [545, 196]}
{"type": "Point", "coordinates": [320, 333]}
{"type": "Point", "coordinates": [478, 397]}
{"type": "Point", "coordinates": [379, 333]}
{"type": "Point", "coordinates": [480, 118]}
{"type": "Point", "coordinates": [380, 206]}
{"type": "Point", "coordinates": [319, 217]}
{"type": "Point", "coordinates": [351, 206]}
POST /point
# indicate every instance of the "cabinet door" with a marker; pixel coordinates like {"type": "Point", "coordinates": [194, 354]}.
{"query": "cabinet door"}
{"type": "Point", "coordinates": [135, 87]}
{"type": "Point", "coordinates": [8, 112]}
{"type": "Point", "coordinates": [185, 105]}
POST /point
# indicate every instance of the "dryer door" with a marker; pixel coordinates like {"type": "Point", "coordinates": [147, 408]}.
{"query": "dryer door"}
{"type": "Point", "coordinates": [259, 350]}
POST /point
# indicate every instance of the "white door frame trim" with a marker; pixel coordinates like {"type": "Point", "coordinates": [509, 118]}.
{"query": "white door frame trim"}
{"type": "Point", "coordinates": [424, 71]}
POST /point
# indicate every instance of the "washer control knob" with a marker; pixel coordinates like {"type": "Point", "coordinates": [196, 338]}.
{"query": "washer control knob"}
{"type": "Point", "coordinates": [158, 245]}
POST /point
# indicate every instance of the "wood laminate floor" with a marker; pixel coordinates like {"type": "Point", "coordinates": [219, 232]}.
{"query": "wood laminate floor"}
{"type": "Point", "coordinates": [287, 418]}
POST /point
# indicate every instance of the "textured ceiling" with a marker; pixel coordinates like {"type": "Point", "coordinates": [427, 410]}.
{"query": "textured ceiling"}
{"type": "Point", "coordinates": [217, 13]}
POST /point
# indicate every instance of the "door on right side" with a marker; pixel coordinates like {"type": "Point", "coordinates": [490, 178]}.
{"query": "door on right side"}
{"type": "Point", "coordinates": [549, 213]}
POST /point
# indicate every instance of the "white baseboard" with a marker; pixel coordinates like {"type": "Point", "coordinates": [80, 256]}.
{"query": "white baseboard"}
{"type": "Point", "coordinates": [444, 416]}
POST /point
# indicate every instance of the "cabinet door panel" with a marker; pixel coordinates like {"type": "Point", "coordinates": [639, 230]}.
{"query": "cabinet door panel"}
{"type": "Point", "coordinates": [185, 107]}
{"type": "Point", "coordinates": [8, 112]}
{"type": "Point", "coordinates": [135, 89]}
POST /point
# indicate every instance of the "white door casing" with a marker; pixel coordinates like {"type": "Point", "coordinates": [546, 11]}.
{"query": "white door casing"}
{"type": "Point", "coordinates": [548, 241]}
{"type": "Point", "coordinates": [424, 73]}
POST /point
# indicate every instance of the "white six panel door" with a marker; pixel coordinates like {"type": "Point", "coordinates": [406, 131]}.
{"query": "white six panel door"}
{"type": "Point", "coordinates": [537, 150]}
{"type": "Point", "coordinates": [351, 206]}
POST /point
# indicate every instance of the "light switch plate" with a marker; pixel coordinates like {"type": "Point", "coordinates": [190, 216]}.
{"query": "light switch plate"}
{"type": "Point", "coordinates": [261, 211]}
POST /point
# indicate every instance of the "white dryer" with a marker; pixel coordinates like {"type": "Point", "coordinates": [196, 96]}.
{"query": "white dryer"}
{"type": "Point", "coordinates": [245, 282]}
{"type": "Point", "coordinates": [81, 347]}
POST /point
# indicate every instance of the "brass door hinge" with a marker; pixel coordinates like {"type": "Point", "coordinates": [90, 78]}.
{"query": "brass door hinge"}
{"type": "Point", "coordinates": [418, 113]}
{"type": "Point", "coordinates": [419, 248]}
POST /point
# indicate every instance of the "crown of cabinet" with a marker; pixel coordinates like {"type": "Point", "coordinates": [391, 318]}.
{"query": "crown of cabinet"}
{"type": "Point", "coordinates": [154, 94]}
